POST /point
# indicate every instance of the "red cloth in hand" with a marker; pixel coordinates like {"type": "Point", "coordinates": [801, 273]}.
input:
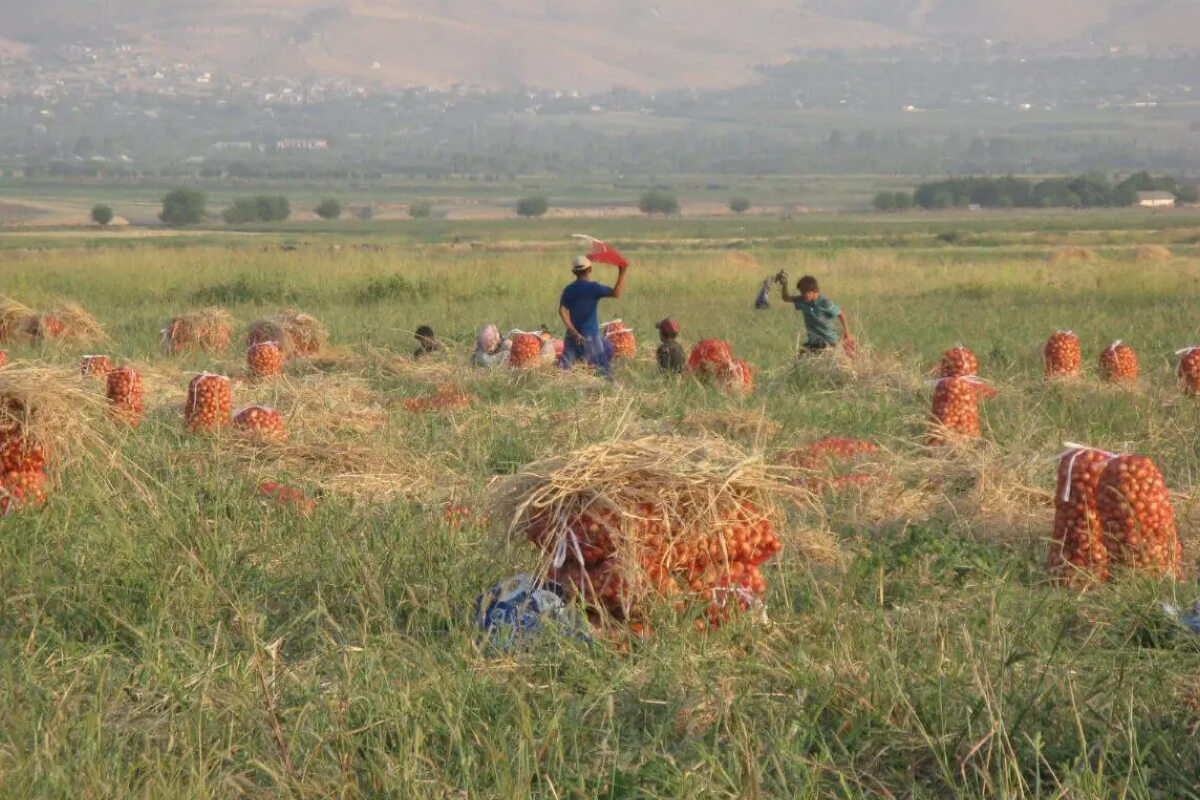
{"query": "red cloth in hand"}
{"type": "Point", "coordinates": [606, 254]}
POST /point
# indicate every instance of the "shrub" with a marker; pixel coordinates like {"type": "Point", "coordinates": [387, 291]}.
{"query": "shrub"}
{"type": "Point", "coordinates": [534, 206]}
{"type": "Point", "coordinates": [420, 209]}
{"type": "Point", "coordinates": [739, 205]}
{"type": "Point", "coordinates": [102, 215]}
{"type": "Point", "coordinates": [658, 202]}
{"type": "Point", "coordinates": [329, 209]}
{"type": "Point", "coordinates": [183, 207]}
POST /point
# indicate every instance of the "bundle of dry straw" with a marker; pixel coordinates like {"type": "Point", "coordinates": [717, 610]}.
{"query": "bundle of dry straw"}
{"type": "Point", "coordinates": [49, 408]}
{"type": "Point", "coordinates": [12, 317]}
{"type": "Point", "coordinates": [625, 521]}
{"type": "Point", "coordinates": [296, 333]}
{"type": "Point", "coordinates": [208, 330]}
{"type": "Point", "coordinates": [66, 320]}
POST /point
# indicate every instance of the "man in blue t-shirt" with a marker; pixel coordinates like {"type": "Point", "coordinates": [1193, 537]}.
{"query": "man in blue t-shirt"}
{"type": "Point", "coordinates": [577, 308]}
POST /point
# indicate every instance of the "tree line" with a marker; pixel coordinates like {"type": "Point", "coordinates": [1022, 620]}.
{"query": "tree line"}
{"type": "Point", "coordinates": [1083, 191]}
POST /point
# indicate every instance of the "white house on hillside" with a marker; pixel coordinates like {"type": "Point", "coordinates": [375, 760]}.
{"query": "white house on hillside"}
{"type": "Point", "coordinates": [1155, 199]}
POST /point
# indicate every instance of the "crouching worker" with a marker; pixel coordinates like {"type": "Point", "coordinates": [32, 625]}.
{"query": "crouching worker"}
{"type": "Point", "coordinates": [820, 315]}
{"type": "Point", "coordinates": [427, 343]}
{"type": "Point", "coordinates": [577, 309]}
{"type": "Point", "coordinates": [489, 349]}
{"type": "Point", "coordinates": [671, 360]}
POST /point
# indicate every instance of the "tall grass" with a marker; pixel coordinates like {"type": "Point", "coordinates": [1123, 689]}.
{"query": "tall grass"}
{"type": "Point", "coordinates": [198, 642]}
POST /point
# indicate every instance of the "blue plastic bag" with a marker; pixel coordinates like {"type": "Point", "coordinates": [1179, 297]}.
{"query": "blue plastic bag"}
{"type": "Point", "coordinates": [519, 609]}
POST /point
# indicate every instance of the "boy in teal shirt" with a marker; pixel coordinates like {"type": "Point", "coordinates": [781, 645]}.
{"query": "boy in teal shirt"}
{"type": "Point", "coordinates": [819, 313]}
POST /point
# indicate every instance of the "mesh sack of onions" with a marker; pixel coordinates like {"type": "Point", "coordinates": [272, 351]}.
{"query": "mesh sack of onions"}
{"type": "Point", "coordinates": [261, 422]}
{"type": "Point", "coordinates": [265, 360]}
{"type": "Point", "coordinates": [621, 336]}
{"type": "Point", "coordinates": [713, 359]}
{"type": "Point", "coordinates": [526, 352]}
{"type": "Point", "coordinates": [1078, 554]}
{"type": "Point", "coordinates": [123, 387]}
{"type": "Point", "coordinates": [958, 362]}
{"type": "Point", "coordinates": [209, 403]}
{"type": "Point", "coordinates": [1118, 363]}
{"type": "Point", "coordinates": [1188, 370]}
{"type": "Point", "coordinates": [1136, 514]}
{"type": "Point", "coordinates": [95, 366]}
{"type": "Point", "coordinates": [627, 524]}
{"type": "Point", "coordinates": [955, 410]}
{"type": "Point", "coordinates": [1062, 356]}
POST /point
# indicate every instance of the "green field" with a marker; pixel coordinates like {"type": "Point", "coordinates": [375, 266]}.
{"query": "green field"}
{"type": "Point", "coordinates": [165, 633]}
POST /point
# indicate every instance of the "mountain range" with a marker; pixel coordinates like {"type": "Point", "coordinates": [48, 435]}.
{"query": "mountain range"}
{"type": "Point", "coordinates": [587, 45]}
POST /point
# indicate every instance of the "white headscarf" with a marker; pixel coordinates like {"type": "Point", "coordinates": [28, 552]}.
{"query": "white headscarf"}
{"type": "Point", "coordinates": [489, 339]}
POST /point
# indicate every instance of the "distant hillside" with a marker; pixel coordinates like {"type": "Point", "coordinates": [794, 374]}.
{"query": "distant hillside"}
{"type": "Point", "coordinates": [579, 44]}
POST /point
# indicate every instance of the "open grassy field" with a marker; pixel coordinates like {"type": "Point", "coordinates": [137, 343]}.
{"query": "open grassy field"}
{"type": "Point", "coordinates": [164, 632]}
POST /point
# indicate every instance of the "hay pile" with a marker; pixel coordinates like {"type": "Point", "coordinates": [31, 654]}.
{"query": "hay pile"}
{"type": "Point", "coordinates": [12, 318]}
{"type": "Point", "coordinates": [296, 333]}
{"type": "Point", "coordinates": [208, 330]}
{"type": "Point", "coordinates": [49, 408]}
{"type": "Point", "coordinates": [626, 523]}
{"type": "Point", "coordinates": [64, 321]}
{"type": "Point", "coordinates": [1152, 252]}
{"type": "Point", "coordinates": [1072, 253]}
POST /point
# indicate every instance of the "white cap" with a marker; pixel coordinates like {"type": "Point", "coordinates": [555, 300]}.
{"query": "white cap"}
{"type": "Point", "coordinates": [581, 263]}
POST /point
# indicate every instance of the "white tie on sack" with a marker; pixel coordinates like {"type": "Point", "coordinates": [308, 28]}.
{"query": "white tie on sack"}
{"type": "Point", "coordinates": [566, 535]}
{"type": "Point", "coordinates": [1075, 449]}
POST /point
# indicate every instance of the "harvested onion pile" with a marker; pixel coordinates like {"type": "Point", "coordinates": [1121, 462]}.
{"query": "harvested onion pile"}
{"type": "Point", "coordinates": [261, 422]}
{"type": "Point", "coordinates": [97, 366]}
{"type": "Point", "coordinates": [208, 331]}
{"type": "Point", "coordinates": [287, 496]}
{"type": "Point", "coordinates": [526, 351]}
{"type": "Point", "coordinates": [955, 410]}
{"type": "Point", "coordinates": [629, 523]}
{"type": "Point", "coordinates": [3, 358]}
{"type": "Point", "coordinates": [1188, 370]}
{"type": "Point", "coordinates": [1077, 550]}
{"type": "Point", "coordinates": [446, 396]}
{"type": "Point", "coordinates": [22, 460]}
{"type": "Point", "coordinates": [713, 359]}
{"type": "Point", "coordinates": [1118, 363]}
{"type": "Point", "coordinates": [958, 362]}
{"type": "Point", "coordinates": [1062, 355]}
{"type": "Point", "coordinates": [827, 456]}
{"type": "Point", "coordinates": [623, 341]}
{"type": "Point", "coordinates": [124, 391]}
{"type": "Point", "coordinates": [295, 333]}
{"type": "Point", "coordinates": [1139, 523]}
{"type": "Point", "coordinates": [265, 360]}
{"type": "Point", "coordinates": [209, 403]}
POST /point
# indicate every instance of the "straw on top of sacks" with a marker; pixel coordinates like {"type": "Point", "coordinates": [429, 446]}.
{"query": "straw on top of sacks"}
{"type": "Point", "coordinates": [208, 330]}
{"type": "Point", "coordinates": [65, 321]}
{"type": "Point", "coordinates": [46, 419]}
{"type": "Point", "coordinates": [295, 333]}
{"type": "Point", "coordinates": [628, 523]}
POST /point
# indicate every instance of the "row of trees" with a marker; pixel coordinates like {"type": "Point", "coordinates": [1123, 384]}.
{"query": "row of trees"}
{"type": "Point", "coordinates": [189, 207]}
{"type": "Point", "coordinates": [1084, 191]}
{"type": "Point", "coordinates": [652, 202]}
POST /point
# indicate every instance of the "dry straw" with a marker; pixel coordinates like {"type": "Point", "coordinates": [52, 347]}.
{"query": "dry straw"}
{"type": "Point", "coordinates": [694, 483]}
{"type": "Point", "coordinates": [12, 317]}
{"type": "Point", "coordinates": [296, 333]}
{"type": "Point", "coordinates": [66, 320]}
{"type": "Point", "coordinates": [208, 330]}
